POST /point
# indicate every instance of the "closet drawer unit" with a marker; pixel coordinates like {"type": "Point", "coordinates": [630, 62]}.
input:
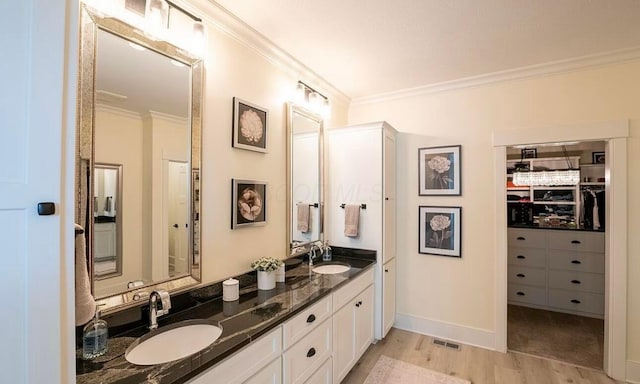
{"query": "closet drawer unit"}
{"type": "Point", "coordinates": [527, 257]}
{"type": "Point", "coordinates": [529, 238]}
{"type": "Point", "coordinates": [307, 355]}
{"type": "Point", "coordinates": [577, 281]}
{"type": "Point", "coordinates": [527, 276]}
{"type": "Point", "coordinates": [577, 301]}
{"type": "Point", "coordinates": [577, 241]}
{"type": "Point", "coordinates": [295, 329]}
{"type": "Point", "coordinates": [577, 261]}
{"type": "Point", "coordinates": [526, 294]}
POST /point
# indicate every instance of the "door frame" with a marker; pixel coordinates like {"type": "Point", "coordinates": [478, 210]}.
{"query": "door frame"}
{"type": "Point", "coordinates": [615, 133]}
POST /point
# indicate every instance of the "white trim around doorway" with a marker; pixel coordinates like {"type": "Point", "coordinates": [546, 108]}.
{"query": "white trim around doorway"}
{"type": "Point", "coordinates": [615, 133]}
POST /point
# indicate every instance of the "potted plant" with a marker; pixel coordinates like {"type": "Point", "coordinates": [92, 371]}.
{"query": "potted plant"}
{"type": "Point", "coordinates": [266, 267]}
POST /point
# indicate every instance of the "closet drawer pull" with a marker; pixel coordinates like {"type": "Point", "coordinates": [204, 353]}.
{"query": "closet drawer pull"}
{"type": "Point", "coordinates": [520, 257]}
{"type": "Point", "coordinates": [574, 301]}
{"type": "Point", "coordinates": [575, 281]}
{"type": "Point", "coordinates": [520, 293]}
{"type": "Point", "coordinates": [520, 275]}
{"type": "Point", "coordinates": [576, 262]}
{"type": "Point", "coordinates": [520, 238]}
{"type": "Point", "coordinates": [575, 242]}
{"type": "Point", "coordinates": [311, 318]}
{"type": "Point", "coordinates": [311, 352]}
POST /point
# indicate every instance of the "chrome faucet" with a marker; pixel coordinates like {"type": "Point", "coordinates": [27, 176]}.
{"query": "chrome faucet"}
{"type": "Point", "coordinates": [312, 253]}
{"type": "Point", "coordinates": [163, 297]}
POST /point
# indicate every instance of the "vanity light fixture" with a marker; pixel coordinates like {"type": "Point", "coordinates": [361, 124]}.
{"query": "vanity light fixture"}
{"type": "Point", "coordinates": [312, 99]}
{"type": "Point", "coordinates": [546, 178]}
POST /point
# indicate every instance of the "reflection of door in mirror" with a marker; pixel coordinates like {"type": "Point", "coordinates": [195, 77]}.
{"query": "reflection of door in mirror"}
{"type": "Point", "coordinates": [305, 138]}
{"type": "Point", "coordinates": [178, 217]}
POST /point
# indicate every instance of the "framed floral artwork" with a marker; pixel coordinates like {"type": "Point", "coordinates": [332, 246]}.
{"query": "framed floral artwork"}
{"type": "Point", "coordinates": [440, 231]}
{"type": "Point", "coordinates": [439, 171]}
{"type": "Point", "coordinates": [249, 126]}
{"type": "Point", "coordinates": [249, 203]}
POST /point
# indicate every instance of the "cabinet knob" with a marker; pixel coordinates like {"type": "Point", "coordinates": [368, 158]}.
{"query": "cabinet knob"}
{"type": "Point", "coordinates": [386, 269]}
{"type": "Point", "coordinates": [520, 257]}
{"type": "Point", "coordinates": [311, 318]}
{"type": "Point", "coordinates": [575, 242]}
{"type": "Point", "coordinates": [520, 238]}
{"type": "Point", "coordinates": [574, 301]}
{"type": "Point", "coordinates": [359, 303]}
{"type": "Point", "coordinates": [520, 275]}
{"type": "Point", "coordinates": [311, 352]}
{"type": "Point", "coordinates": [576, 262]}
{"type": "Point", "coordinates": [575, 281]}
{"type": "Point", "coordinates": [386, 198]}
{"type": "Point", "coordinates": [520, 293]}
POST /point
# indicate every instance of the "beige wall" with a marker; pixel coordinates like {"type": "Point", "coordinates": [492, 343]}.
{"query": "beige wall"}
{"type": "Point", "coordinates": [462, 291]}
{"type": "Point", "coordinates": [234, 69]}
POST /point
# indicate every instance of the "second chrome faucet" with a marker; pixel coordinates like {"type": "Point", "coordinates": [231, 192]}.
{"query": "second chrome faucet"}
{"type": "Point", "coordinates": [159, 305]}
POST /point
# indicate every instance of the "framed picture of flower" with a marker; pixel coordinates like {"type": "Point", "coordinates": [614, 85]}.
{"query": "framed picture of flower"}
{"type": "Point", "coordinates": [249, 203]}
{"type": "Point", "coordinates": [440, 231]}
{"type": "Point", "coordinates": [249, 126]}
{"type": "Point", "coordinates": [439, 171]}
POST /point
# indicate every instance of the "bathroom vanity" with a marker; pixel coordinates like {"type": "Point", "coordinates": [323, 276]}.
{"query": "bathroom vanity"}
{"type": "Point", "coordinates": [311, 329]}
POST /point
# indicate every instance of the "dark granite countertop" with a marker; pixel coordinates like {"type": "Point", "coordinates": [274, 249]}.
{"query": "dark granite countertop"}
{"type": "Point", "coordinates": [558, 228]}
{"type": "Point", "coordinates": [253, 315]}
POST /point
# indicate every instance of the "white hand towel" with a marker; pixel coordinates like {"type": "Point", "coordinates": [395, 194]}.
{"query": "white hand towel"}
{"type": "Point", "coordinates": [351, 220]}
{"type": "Point", "coordinates": [596, 215]}
{"type": "Point", "coordinates": [303, 217]}
{"type": "Point", "coordinates": [85, 303]}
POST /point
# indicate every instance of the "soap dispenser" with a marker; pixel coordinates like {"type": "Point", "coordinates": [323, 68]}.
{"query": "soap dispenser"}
{"type": "Point", "coordinates": [94, 338]}
{"type": "Point", "coordinates": [327, 255]}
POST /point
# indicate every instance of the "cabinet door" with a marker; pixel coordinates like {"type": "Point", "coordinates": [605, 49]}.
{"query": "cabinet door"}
{"type": "Point", "coordinates": [271, 374]}
{"type": "Point", "coordinates": [323, 375]}
{"type": "Point", "coordinates": [363, 322]}
{"type": "Point", "coordinates": [343, 340]}
{"type": "Point", "coordinates": [388, 296]}
{"type": "Point", "coordinates": [389, 208]}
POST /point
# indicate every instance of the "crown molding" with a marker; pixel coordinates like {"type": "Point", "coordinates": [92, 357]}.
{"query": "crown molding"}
{"type": "Point", "coordinates": [555, 67]}
{"type": "Point", "coordinates": [167, 117]}
{"type": "Point", "coordinates": [216, 15]}
{"type": "Point", "coordinates": [117, 111]}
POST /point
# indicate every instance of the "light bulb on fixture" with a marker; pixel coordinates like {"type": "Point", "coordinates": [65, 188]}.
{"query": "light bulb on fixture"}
{"type": "Point", "coordinates": [197, 42]}
{"type": "Point", "coordinates": [300, 93]}
{"type": "Point", "coordinates": [326, 109]}
{"type": "Point", "coordinates": [315, 102]}
{"type": "Point", "coordinates": [157, 19]}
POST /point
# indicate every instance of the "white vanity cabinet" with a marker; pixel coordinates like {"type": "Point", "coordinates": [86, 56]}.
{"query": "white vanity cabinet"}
{"type": "Point", "coordinates": [361, 168]}
{"type": "Point", "coordinates": [259, 362]}
{"type": "Point", "coordinates": [352, 324]}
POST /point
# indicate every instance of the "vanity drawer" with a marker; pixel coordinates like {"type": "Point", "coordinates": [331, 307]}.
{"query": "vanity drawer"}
{"type": "Point", "coordinates": [577, 241]}
{"type": "Point", "coordinates": [529, 238]}
{"type": "Point", "coordinates": [527, 294]}
{"type": "Point", "coordinates": [577, 281]}
{"type": "Point", "coordinates": [577, 261]}
{"type": "Point", "coordinates": [527, 276]}
{"type": "Point", "coordinates": [351, 290]}
{"type": "Point", "coordinates": [527, 257]}
{"type": "Point", "coordinates": [577, 301]}
{"type": "Point", "coordinates": [295, 329]}
{"type": "Point", "coordinates": [307, 355]}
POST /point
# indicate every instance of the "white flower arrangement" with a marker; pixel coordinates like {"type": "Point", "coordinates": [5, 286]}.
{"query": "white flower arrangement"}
{"type": "Point", "coordinates": [266, 264]}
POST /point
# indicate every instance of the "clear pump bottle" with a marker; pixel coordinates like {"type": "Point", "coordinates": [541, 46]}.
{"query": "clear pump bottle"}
{"type": "Point", "coordinates": [94, 338]}
{"type": "Point", "coordinates": [327, 255]}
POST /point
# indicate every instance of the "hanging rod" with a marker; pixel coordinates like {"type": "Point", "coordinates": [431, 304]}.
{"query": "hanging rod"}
{"type": "Point", "coordinates": [362, 206]}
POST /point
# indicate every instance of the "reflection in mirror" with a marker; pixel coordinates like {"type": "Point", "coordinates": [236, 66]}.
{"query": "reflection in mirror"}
{"type": "Point", "coordinates": [107, 228]}
{"type": "Point", "coordinates": [305, 177]}
{"type": "Point", "coordinates": [140, 109]}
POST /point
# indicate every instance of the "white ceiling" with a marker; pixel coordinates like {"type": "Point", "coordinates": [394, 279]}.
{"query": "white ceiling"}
{"type": "Point", "coordinates": [369, 47]}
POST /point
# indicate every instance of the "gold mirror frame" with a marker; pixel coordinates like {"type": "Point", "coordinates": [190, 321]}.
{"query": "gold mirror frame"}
{"type": "Point", "coordinates": [90, 22]}
{"type": "Point", "coordinates": [302, 248]}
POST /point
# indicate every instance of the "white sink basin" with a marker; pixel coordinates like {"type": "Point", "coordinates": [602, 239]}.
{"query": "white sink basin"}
{"type": "Point", "coordinates": [172, 342]}
{"type": "Point", "coordinates": [330, 269]}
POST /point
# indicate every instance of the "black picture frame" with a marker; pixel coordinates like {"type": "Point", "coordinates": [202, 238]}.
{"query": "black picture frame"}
{"type": "Point", "coordinates": [439, 172]}
{"type": "Point", "coordinates": [250, 123]}
{"type": "Point", "coordinates": [598, 157]}
{"type": "Point", "coordinates": [248, 203]}
{"type": "Point", "coordinates": [440, 231]}
{"type": "Point", "coordinates": [528, 153]}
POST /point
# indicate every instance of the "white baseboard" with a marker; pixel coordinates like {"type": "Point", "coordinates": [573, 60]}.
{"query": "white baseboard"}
{"type": "Point", "coordinates": [633, 371]}
{"type": "Point", "coordinates": [454, 332]}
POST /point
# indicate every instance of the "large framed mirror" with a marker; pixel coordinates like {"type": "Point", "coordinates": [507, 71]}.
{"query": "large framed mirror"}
{"type": "Point", "coordinates": [137, 161]}
{"type": "Point", "coordinates": [305, 174]}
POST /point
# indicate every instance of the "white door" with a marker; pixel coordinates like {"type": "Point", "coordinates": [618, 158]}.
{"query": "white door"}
{"type": "Point", "coordinates": [178, 220]}
{"type": "Point", "coordinates": [35, 315]}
